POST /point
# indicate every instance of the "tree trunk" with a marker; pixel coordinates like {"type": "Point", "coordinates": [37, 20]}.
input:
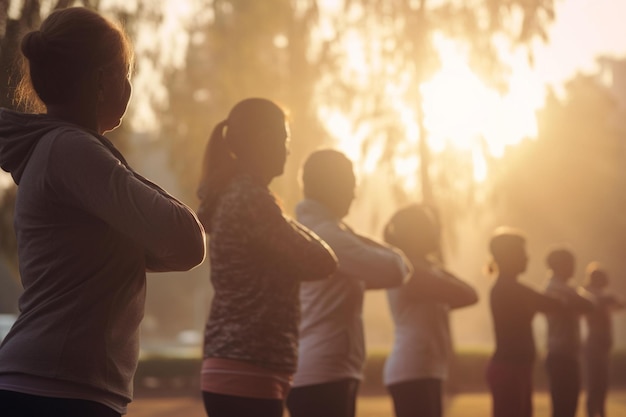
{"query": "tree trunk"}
{"type": "Point", "coordinates": [424, 155]}
{"type": "Point", "coordinates": [420, 49]}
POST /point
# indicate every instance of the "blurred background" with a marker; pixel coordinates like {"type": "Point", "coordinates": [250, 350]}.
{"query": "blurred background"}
{"type": "Point", "coordinates": [496, 111]}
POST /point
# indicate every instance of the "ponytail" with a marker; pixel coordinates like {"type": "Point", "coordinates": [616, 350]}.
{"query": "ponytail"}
{"type": "Point", "coordinates": [234, 137]}
{"type": "Point", "coordinates": [218, 168]}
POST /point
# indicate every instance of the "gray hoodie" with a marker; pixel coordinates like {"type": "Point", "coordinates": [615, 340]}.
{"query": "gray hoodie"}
{"type": "Point", "coordinates": [88, 227]}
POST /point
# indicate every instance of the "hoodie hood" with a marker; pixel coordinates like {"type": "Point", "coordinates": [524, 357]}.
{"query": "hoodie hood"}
{"type": "Point", "coordinates": [19, 135]}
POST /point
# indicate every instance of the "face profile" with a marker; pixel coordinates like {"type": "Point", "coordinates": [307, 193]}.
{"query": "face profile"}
{"type": "Point", "coordinates": [273, 150]}
{"type": "Point", "coordinates": [114, 95]}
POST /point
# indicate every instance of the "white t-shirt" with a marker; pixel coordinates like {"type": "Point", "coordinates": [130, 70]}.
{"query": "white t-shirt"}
{"type": "Point", "coordinates": [421, 342]}
{"type": "Point", "coordinates": [331, 343]}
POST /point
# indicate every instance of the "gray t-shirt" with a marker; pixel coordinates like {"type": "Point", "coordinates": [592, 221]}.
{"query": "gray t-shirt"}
{"type": "Point", "coordinates": [332, 343]}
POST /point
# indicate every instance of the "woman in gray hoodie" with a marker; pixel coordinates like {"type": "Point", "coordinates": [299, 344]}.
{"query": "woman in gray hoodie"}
{"type": "Point", "coordinates": [88, 227]}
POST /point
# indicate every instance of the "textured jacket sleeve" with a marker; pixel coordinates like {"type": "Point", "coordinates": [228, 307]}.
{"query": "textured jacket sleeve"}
{"type": "Point", "coordinates": [277, 236]}
{"type": "Point", "coordinates": [91, 177]}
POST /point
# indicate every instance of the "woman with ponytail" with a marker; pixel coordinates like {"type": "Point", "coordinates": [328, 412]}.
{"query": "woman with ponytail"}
{"type": "Point", "coordinates": [88, 226]}
{"type": "Point", "coordinates": [513, 306]}
{"type": "Point", "coordinates": [258, 256]}
{"type": "Point", "coordinates": [417, 366]}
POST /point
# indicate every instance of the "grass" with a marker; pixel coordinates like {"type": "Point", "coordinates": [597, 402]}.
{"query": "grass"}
{"type": "Point", "coordinates": [462, 405]}
{"type": "Point", "coordinates": [169, 387]}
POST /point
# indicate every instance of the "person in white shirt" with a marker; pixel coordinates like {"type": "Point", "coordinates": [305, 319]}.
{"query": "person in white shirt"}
{"type": "Point", "coordinates": [332, 348]}
{"type": "Point", "coordinates": [564, 343]}
{"type": "Point", "coordinates": [418, 364]}
{"type": "Point", "coordinates": [599, 339]}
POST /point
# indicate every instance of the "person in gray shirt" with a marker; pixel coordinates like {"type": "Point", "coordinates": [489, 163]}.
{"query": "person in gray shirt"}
{"type": "Point", "coordinates": [332, 346]}
{"type": "Point", "coordinates": [564, 344]}
{"type": "Point", "coordinates": [88, 227]}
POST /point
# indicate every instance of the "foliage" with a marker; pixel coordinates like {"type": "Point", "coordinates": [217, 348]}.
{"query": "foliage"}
{"type": "Point", "coordinates": [568, 184]}
{"type": "Point", "coordinates": [135, 15]}
{"type": "Point", "coordinates": [399, 43]}
{"type": "Point", "coordinates": [244, 49]}
{"type": "Point", "coordinates": [11, 30]}
{"type": "Point", "coordinates": [239, 48]}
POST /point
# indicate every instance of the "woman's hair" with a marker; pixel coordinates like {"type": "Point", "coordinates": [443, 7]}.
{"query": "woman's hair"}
{"type": "Point", "coordinates": [248, 124]}
{"type": "Point", "coordinates": [414, 229]}
{"type": "Point", "coordinates": [596, 275]}
{"type": "Point", "coordinates": [504, 241]}
{"type": "Point", "coordinates": [70, 44]}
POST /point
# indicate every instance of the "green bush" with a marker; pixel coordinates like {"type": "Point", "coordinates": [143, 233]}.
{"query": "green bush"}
{"type": "Point", "coordinates": [181, 375]}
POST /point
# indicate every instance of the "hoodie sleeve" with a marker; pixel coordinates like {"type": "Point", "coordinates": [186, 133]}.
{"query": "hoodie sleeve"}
{"type": "Point", "coordinates": [91, 177]}
{"type": "Point", "coordinates": [375, 264]}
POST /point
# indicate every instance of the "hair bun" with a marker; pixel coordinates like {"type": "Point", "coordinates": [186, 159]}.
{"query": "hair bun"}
{"type": "Point", "coordinates": [34, 45]}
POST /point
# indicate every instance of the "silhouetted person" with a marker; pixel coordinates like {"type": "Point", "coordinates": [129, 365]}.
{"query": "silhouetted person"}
{"type": "Point", "coordinates": [88, 227]}
{"type": "Point", "coordinates": [599, 340]}
{"type": "Point", "coordinates": [513, 306]}
{"type": "Point", "coordinates": [563, 354]}
{"type": "Point", "coordinates": [258, 257]}
{"type": "Point", "coordinates": [418, 364]}
{"type": "Point", "coordinates": [332, 345]}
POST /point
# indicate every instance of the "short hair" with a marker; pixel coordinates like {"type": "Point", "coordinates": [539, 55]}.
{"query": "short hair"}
{"type": "Point", "coordinates": [70, 44]}
{"type": "Point", "coordinates": [325, 170]}
{"type": "Point", "coordinates": [559, 257]}
{"type": "Point", "coordinates": [503, 240]}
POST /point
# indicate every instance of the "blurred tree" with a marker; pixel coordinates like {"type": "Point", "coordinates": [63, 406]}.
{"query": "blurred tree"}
{"type": "Point", "coordinates": [398, 41]}
{"type": "Point", "coordinates": [11, 31]}
{"type": "Point", "coordinates": [20, 16]}
{"type": "Point", "coordinates": [241, 49]}
{"type": "Point", "coordinates": [568, 185]}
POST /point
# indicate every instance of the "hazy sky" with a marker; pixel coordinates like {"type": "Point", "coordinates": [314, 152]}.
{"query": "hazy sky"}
{"type": "Point", "coordinates": [583, 30]}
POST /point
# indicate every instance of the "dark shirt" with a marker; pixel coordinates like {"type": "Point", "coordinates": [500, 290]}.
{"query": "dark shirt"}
{"type": "Point", "coordinates": [513, 306]}
{"type": "Point", "coordinates": [599, 324]}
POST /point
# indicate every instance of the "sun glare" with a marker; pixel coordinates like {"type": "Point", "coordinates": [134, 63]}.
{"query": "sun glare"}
{"type": "Point", "coordinates": [460, 113]}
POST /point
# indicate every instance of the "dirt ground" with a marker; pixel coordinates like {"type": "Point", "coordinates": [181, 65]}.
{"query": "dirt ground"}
{"type": "Point", "coordinates": [461, 405]}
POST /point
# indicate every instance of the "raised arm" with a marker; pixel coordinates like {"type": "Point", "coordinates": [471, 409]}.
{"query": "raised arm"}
{"type": "Point", "coordinates": [279, 237]}
{"type": "Point", "coordinates": [545, 303]}
{"type": "Point", "coordinates": [429, 283]}
{"type": "Point", "coordinates": [92, 177]}
{"type": "Point", "coordinates": [581, 301]}
{"type": "Point", "coordinates": [375, 264]}
{"type": "Point", "coordinates": [610, 301]}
